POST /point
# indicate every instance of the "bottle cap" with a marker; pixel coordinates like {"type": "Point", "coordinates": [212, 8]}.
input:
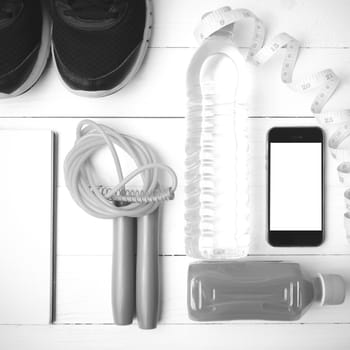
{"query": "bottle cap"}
{"type": "Point", "coordinates": [217, 12]}
{"type": "Point", "coordinates": [333, 289]}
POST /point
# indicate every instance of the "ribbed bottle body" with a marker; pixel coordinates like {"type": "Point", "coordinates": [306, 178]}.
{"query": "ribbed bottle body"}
{"type": "Point", "coordinates": [216, 178]}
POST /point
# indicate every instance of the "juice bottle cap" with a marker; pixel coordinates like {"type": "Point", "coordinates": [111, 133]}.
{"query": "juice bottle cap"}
{"type": "Point", "coordinates": [333, 289]}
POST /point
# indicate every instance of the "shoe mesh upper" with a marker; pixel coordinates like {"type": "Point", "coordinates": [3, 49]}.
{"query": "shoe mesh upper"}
{"type": "Point", "coordinates": [91, 53]}
{"type": "Point", "coordinates": [20, 38]}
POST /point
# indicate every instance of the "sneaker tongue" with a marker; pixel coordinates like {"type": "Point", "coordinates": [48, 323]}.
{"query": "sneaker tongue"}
{"type": "Point", "coordinates": [92, 10]}
{"type": "Point", "coordinates": [9, 9]}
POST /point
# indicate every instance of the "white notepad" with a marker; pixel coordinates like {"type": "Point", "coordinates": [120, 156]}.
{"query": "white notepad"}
{"type": "Point", "coordinates": [26, 226]}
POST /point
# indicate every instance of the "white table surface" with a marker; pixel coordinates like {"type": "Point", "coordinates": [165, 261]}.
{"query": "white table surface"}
{"type": "Point", "coordinates": [152, 107]}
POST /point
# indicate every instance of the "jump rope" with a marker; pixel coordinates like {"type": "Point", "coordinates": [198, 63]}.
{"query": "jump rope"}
{"type": "Point", "coordinates": [135, 282]}
{"type": "Point", "coordinates": [337, 122]}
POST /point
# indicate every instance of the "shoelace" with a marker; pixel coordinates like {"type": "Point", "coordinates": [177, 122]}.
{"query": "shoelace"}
{"type": "Point", "coordinates": [95, 9]}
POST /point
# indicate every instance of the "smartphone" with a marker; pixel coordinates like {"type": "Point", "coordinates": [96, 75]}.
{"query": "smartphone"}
{"type": "Point", "coordinates": [295, 186]}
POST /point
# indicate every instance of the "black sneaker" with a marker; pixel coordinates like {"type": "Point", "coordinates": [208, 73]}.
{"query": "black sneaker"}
{"type": "Point", "coordinates": [99, 45]}
{"type": "Point", "coordinates": [25, 38]}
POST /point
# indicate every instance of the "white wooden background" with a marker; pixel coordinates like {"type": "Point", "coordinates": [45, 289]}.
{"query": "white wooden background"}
{"type": "Point", "coordinates": [152, 107]}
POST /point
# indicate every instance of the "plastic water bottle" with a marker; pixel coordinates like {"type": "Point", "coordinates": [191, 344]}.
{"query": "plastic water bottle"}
{"type": "Point", "coordinates": [221, 291]}
{"type": "Point", "coordinates": [216, 151]}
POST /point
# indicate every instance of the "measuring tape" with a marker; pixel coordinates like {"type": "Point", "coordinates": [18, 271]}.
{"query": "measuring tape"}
{"type": "Point", "coordinates": [326, 80]}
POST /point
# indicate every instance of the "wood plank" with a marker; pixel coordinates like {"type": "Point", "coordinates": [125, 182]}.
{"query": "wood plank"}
{"type": "Point", "coordinates": [80, 234]}
{"type": "Point", "coordinates": [159, 89]}
{"type": "Point", "coordinates": [204, 337]}
{"type": "Point", "coordinates": [167, 137]}
{"type": "Point", "coordinates": [83, 289]}
{"type": "Point", "coordinates": [317, 23]}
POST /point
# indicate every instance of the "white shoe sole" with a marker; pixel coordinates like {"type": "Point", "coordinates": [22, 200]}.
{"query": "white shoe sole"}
{"type": "Point", "coordinates": [43, 56]}
{"type": "Point", "coordinates": [141, 55]}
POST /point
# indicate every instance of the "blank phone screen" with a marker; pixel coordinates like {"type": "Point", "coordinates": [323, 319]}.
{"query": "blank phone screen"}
{"type": "Point", "coordinates": [295, 186]}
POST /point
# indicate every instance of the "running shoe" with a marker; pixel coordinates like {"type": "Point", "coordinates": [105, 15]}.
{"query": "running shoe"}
{"type": "Point", "coordinates": [99, 45]}
{"type": "Point", "coordinates": [25, 39]}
